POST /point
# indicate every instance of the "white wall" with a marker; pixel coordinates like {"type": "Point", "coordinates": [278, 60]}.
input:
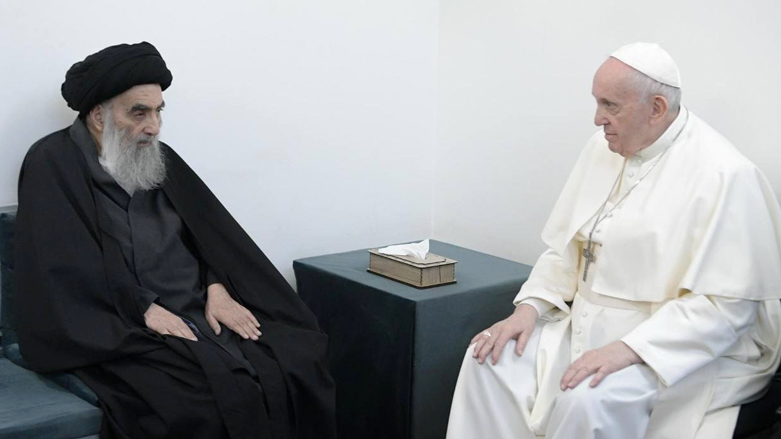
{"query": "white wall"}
{"type": "Point", "coordinates": [515, 104]}
{"type": "Point", "coordinates": [323, 125]}
{"type": "Point", "coordinates": [298, 114]}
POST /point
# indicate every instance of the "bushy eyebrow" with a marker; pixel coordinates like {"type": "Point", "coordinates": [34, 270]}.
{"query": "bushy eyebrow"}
{"type": "Point", "coordinates": [145, 108]}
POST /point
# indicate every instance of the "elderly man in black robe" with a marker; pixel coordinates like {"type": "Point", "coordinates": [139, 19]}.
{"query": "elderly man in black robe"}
{"type": "Point", "coordinates": [132, 275]}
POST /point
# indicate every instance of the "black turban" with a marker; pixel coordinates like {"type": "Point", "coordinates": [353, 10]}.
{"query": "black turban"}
{"type": "Point", "coordinates": [112, 71]}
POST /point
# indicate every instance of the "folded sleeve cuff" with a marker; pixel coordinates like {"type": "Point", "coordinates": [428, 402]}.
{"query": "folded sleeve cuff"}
{"type": "Point", "coordinates": [541, 305]}
{"type": "Point", "coordinates": [145, 298]}
{"type": "Point", "coordinates": [211, 278]}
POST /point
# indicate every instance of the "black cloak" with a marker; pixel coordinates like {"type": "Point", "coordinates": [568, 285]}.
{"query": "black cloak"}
{"type": "Point", "coordinates": [78, 312]}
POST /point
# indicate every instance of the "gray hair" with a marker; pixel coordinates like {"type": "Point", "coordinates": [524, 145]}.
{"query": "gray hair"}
{"type": "Point", "coordinates": [649, 87]}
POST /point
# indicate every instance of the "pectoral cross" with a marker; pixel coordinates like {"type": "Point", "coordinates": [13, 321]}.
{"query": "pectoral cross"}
{"type": "Point", "coordinates": [588, 255]}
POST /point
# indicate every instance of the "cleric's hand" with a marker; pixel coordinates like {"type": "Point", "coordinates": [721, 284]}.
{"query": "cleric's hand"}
{"type": "Point", "coordinates": [601, 363]}
{"type": "Point", "coordinates": [165, 322]}
{"type": "Point", "coordinates": [519, 326]}
{"type": "Point", "coordinates": [221, 308]}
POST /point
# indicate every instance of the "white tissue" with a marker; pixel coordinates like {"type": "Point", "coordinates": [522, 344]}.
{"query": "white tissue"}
{"type": "Point", "coordinates": [418, 250]}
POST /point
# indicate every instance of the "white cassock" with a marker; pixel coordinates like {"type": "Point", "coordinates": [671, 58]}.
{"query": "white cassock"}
{"type": "Point", "coordinates": [687, 274]}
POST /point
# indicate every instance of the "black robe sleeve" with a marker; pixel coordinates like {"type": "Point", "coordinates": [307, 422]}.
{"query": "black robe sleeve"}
{"type": "Point", "coordinates": [145, 299]}
{"type": "Point", "coordinates": [211, 277]}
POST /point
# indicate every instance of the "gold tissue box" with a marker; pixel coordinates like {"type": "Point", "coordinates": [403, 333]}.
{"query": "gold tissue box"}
{"type": "Point", "coordinates": [433, 271]}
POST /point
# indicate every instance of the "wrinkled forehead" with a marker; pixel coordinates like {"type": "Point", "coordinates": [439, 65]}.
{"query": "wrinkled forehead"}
{"type": "Point", "coordinates": [146, 95]}
{"type": "Point", "coordinates": [613, 80]}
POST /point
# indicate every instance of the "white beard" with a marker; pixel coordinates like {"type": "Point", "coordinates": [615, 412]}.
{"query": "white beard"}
{"type": "Point", "coordinates": [134, 167]}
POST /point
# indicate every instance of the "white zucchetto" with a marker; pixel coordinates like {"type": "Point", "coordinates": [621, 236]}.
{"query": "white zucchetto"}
{"type": "Point", "coordinates": [651, 60]}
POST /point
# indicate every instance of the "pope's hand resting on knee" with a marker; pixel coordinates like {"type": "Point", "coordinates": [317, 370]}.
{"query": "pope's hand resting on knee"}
{"type": "Point", "coordinates": [519, 326]}
{"type": "Point", "coordinates": [601, 363]}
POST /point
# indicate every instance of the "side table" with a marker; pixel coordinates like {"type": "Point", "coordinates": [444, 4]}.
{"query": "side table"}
{"type": "Point", "coordinates": [395, 351]}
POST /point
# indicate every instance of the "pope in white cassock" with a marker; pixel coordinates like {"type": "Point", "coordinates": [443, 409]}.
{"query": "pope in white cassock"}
{"type": "Point", "coordinates": [655, 310]}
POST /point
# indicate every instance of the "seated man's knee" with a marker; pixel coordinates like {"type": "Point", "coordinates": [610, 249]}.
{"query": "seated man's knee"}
{"type": "Point", "coordinates": [507, 354]}
{"type": "Point", "coordinates": [583, 397]}
{"type": "Point", "coordinates": [633, 385]}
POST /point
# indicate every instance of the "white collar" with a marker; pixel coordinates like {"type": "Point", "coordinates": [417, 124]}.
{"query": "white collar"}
{"type": "Point", "coordinates": [666, 139]}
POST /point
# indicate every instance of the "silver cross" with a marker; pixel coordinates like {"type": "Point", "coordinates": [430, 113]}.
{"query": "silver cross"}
{"type": "Point", "coordinates": [588, 255]}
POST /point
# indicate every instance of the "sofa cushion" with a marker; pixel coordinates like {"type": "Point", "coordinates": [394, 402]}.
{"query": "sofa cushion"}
{"type": "Point", "coordinates": [7, 221]}
{"type": "Point", "coordinates": [66, 380]}
{"type": "Point", "coordinates": [12, 353]}
{"type": "Point", "coordinates": [7, 314]}
{"type": "Point", "coordinates": [76, 386]}
{"type": "Point", "coordinates": [32, 406]}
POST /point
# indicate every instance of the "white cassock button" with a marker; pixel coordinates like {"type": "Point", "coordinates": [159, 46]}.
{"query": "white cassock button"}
{"type": "Point", "coordinates": [577, 350]}
{"type": "Point", "coordinates": [631, 174]}
{"type": "Point", "coordinates": [579, 331]}
{"type": "Point", "coordinates": [585, 314]}
{"type": "Point", "coordinates": [599, 230]}
{"type": "Point", "coordinates": [610, 215]}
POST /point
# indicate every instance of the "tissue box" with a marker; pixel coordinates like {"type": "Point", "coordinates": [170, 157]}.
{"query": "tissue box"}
{"type": "Point", "coordinates": [433, 271]}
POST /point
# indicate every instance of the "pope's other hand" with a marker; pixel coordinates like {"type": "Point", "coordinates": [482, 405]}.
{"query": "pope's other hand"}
{"type": "Point", "coordinates": [600, 363]}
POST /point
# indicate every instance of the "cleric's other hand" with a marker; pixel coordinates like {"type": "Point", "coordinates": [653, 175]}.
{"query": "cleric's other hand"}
{"type": "Point", "coordinates": [221, 308]}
